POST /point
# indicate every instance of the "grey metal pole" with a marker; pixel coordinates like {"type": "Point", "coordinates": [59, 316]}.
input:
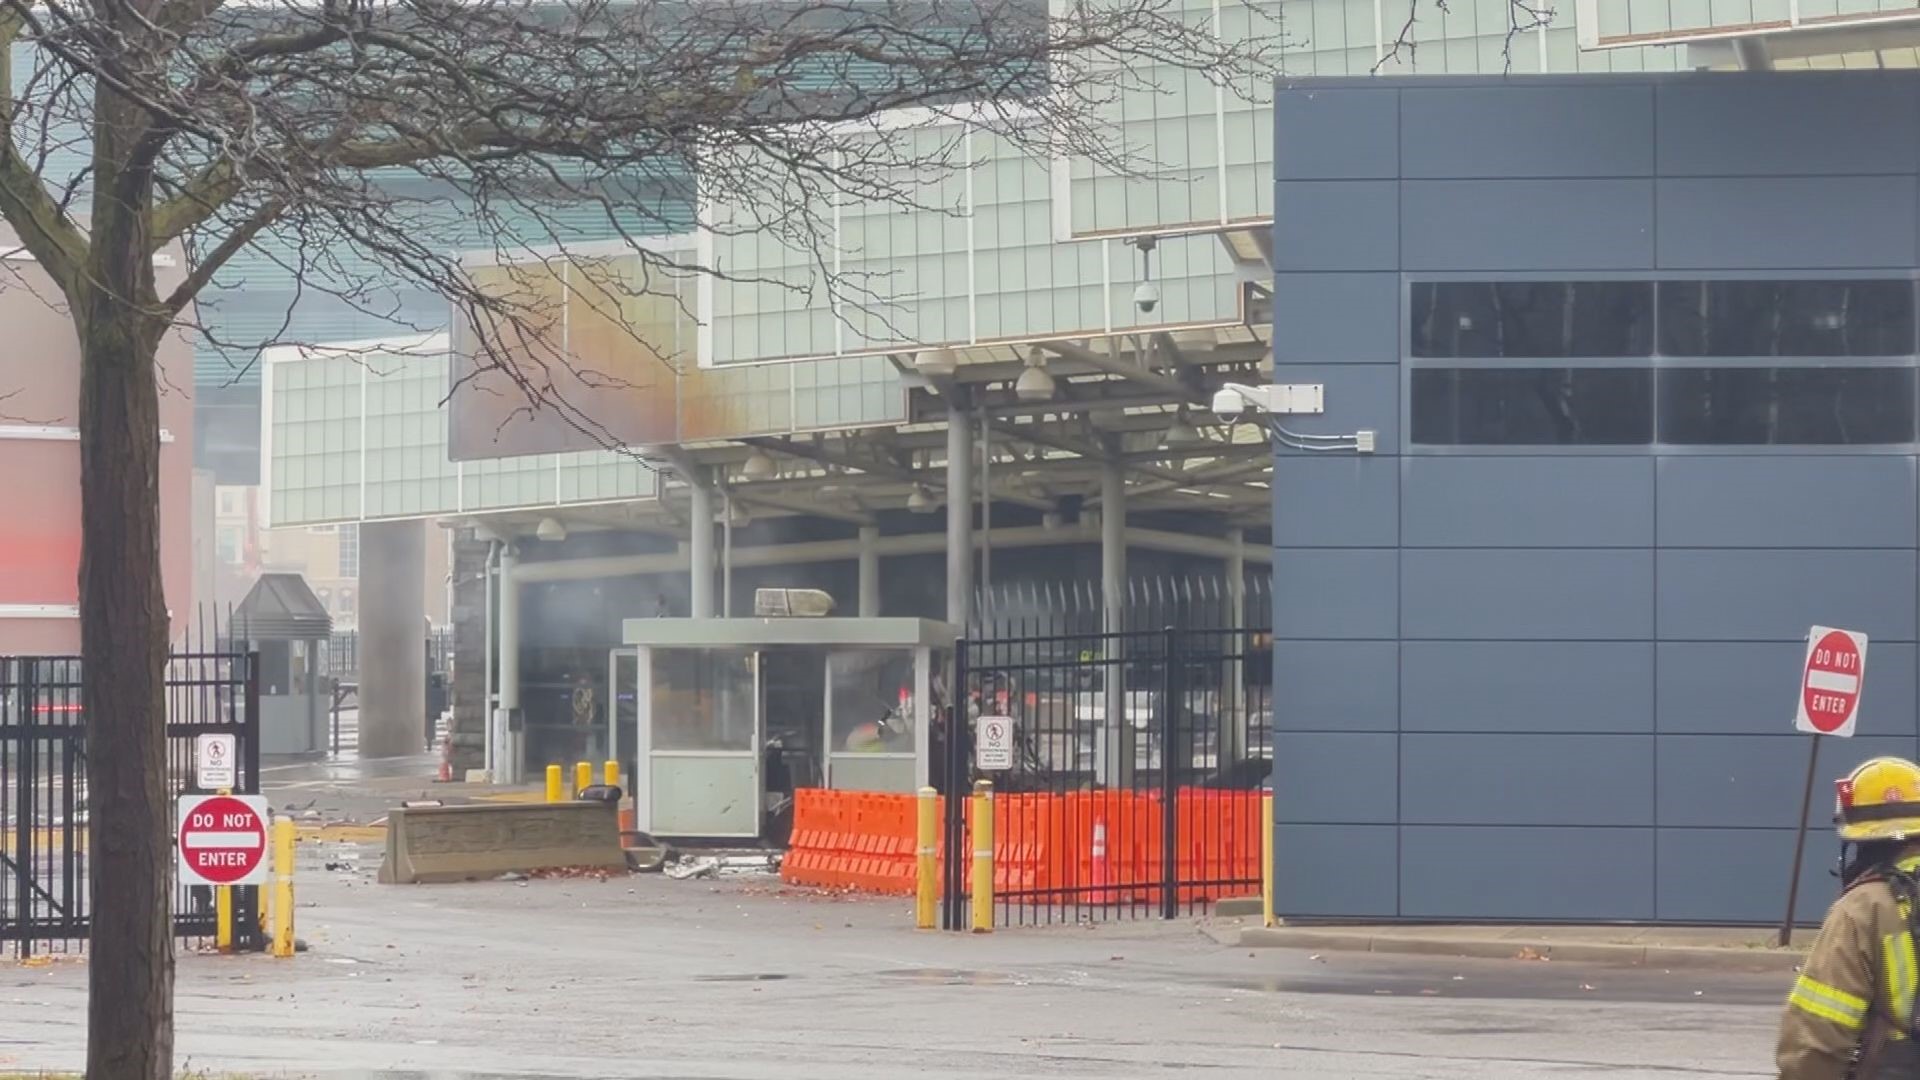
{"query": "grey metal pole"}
{"type": "Point", "coordinates": [1238, 643]}
{"type": "Point", "coordinates": [869, 571]}
{"type": "Point", "coordinates": [508, 639]}
{"type": "Point", "coordinates": [986, 516]}
{"type": "Point", "coordinates": [1122, 752]}
{"type": "Point", "coordinates": [487, 582]}
{"type": "Point", "coordinates": [959, 514]}
{"type": "Point", "coordinates": [726, 556]}
{"type": "Point", "coordinates": [700, 546]}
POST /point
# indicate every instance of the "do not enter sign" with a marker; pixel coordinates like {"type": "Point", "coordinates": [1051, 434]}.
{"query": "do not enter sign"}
{"type": "Point", "coordinates": [223, 840]}
{"type": "Point", "coordinates": [1830, 682]}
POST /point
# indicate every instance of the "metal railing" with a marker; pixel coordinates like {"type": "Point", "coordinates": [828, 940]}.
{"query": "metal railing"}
{"type": "Point", "coordinates": [1139, 756]}
{"type": "Point", "coordinates": [44, 823]}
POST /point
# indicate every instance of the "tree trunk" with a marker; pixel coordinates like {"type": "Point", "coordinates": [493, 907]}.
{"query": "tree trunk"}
{"type": "Point", "coordinates": [123, 634]}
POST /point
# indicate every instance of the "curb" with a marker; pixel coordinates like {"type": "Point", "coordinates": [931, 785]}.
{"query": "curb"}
{"type": "Point", "coordinates": [1694, 957]}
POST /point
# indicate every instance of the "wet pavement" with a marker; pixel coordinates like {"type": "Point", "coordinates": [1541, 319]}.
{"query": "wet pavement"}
{"type": "Point", "coordinates": [743, 978]}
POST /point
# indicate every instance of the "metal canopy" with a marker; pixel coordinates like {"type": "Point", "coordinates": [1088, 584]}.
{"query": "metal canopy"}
{"type": "Point", "coordinates": [751, 633]}
{"type": "Point", "coordinates": [281, 607]}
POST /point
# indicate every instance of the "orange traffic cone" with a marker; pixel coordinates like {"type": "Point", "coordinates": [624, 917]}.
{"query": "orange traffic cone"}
{"type": "Point", "coordinates": [1101, 878]}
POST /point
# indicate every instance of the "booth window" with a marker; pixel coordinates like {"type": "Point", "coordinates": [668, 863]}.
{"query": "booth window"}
{"type": "Point", "coordinates": [1787, 318]}
{"type": "Point", "coordinates": [872, 701]}
{"type": "Point", "coordinates": [703, 699]}
{"type": "Point", "coordinates": [1481, 406]}
{"type": "Point", "coordinates": [1531, 319]}
{"type": "Point", "coordinates": [1776, 406]}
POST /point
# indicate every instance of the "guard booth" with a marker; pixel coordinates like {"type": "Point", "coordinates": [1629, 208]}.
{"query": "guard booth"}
{"type": "Point", "coordinates": [729, 716]}
{"type": "Point", "coordinates": [283, 621]}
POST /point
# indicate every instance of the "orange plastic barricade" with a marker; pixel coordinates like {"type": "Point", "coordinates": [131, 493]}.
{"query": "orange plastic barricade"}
{"type": "Point", "coordinates": [1108, 847]}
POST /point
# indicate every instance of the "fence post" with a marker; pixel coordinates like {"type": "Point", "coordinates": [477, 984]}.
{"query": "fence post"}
{"type": "Point", "coordinates": [24, 858]}
{"type": "Point", "coordinates": [249, 933]}
{"type": "Point", "coordinates": [1169, 786]}
{"type": "Point", "coordinates": [982, 857]}
{"type": "Point", "coordinates": [954, 774]}
{"type": "Point", "coordinates": [223, 910]}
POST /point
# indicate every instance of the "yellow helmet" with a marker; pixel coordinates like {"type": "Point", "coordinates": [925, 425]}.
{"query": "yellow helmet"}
{"type": "Point", "coordinates": [1879, 800]}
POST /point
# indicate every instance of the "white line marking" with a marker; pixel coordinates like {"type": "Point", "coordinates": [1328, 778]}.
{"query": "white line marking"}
{"type": "Point", "coordinates": [1833, 681]}
{"type": "Point", "coordinates": [223, 840]}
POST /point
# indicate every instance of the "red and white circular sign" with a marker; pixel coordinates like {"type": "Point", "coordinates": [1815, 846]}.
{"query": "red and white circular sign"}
{"type": "Point", "coordinates": [1830, 682]}
{"type": "Point", "coordinates": [223, 839]}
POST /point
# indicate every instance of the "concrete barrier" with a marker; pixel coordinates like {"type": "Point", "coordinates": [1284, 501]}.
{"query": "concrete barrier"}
{"type": "Point", "coordinates": [473, 843]}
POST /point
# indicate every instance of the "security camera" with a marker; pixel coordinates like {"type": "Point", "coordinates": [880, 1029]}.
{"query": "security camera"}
{"type": "Point", "coordinates": [1147, 296]}
{"type": "Point", "coordinates": [1229, 403]}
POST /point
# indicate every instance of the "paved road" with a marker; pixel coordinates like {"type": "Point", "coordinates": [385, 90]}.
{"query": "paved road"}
{"type": "Point", "coordinates": [718, 980]}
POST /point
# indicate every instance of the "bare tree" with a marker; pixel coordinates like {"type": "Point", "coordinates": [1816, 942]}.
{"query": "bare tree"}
{"type": "Point", "coordinates": [337, 135]}
{"type": "Point", "coordinates": [1522, 17]}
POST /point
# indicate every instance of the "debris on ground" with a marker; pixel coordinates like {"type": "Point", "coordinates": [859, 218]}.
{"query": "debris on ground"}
{"type": "Point", "coordinates": [686, 867]}
{"type": "Point", "coordinates": [573, 873]}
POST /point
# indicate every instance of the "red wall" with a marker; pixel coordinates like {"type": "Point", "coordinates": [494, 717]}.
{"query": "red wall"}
{"type": "Point", "coordinates": [40, 515]}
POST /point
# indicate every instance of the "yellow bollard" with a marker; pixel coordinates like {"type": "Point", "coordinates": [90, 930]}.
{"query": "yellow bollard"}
{"type": "Point", "coordinates": [554, 792]}
{"type": "Point", "coordinates": [283, 887]}
{"type": "Point", "coordinates": [1266, 859]}
{"type": "Point", "coordinates": [927, 897]}
{"type": "Point", "coordinates": [223, 918]}
{"type": "Point", "coordinates": [610, 774]}
{"type": "Point", "coordinates": [582, 778]}
{"type": "Point", "coordinates": [983, 856]}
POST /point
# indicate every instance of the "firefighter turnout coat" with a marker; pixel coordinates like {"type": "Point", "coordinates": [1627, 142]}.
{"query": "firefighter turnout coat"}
{"type": "Point", "coordinates": [1854, 998]}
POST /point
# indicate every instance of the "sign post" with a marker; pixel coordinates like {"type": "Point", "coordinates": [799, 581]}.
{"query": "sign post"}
{"type": "Point", "coordinates": [222, 840]}
{"type": "Point", "coordinates": [1831, 677]}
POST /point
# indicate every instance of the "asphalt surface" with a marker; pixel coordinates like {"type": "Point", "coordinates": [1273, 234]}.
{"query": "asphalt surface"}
{"type": "Point", "coordinates": [741, 978]}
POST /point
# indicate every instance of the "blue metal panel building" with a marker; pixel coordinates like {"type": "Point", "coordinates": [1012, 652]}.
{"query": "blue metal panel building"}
{"type": "Point", "coordinates": [1640, 353]}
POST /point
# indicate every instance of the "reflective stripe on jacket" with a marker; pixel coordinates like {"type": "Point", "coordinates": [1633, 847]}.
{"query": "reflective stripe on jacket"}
{"type": "Point", "coordinates": [1863, 961]}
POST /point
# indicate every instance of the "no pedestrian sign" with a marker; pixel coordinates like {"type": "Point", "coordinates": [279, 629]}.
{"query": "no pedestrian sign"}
{"type": "Point", "coordinates": [993, 744]}
{"type": "Point", "coordinates": [223, 840]}
{"type": "Point", "coordinates": [1830, 682]}
{"type": "Point", "coordinates": [213, 760]}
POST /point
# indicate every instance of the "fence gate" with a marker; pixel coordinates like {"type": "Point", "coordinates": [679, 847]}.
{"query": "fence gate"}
{"type": "Point", "coordinates": [43, 792]}
{"type": "Point", "coordinates": [1141, 758]}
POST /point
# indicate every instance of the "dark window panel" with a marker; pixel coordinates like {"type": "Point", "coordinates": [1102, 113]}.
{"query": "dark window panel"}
{"type": "Point", "coordinates": [1533, 406]}
{"type": "Point", "coordinates": [1787, 318]}
{"type": "Point", "coordinates": [1814, 406]}
{"type": "Point", "coordinates": [1532, 319]}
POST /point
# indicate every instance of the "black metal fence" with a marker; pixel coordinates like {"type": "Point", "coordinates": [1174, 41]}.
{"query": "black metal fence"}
{"type": "Point", "coordinates": [1140, 757]}
{"type": "Point", "coordinates": [343, 653]}
{"type": "Point", "coordinates": [44, 837]}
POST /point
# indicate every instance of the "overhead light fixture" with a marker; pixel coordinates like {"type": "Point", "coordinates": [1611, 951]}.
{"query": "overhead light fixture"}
{"type": "Point", "coordinates": [1034, 384]}
{"type": "Point", "coordinates": [1181, 432]}
{"type": "Point", "coordinates": [550, 529]}
{"type": "Point", "coordinates": [936, 362]}
{"type": "Point", "coordinates": [759, 466]}
{"type": "Point", "coordinates": [921, 501]}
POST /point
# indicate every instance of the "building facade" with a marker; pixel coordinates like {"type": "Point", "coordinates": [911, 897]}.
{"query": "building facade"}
{"type": "Point", "coordinates": [1640, 352]}
{"type": "Point", "coordinates": [40, 458]}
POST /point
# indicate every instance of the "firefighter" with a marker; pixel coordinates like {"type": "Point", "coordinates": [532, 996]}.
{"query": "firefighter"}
{"type": "Point", "coordinates": [1850, 1015]}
